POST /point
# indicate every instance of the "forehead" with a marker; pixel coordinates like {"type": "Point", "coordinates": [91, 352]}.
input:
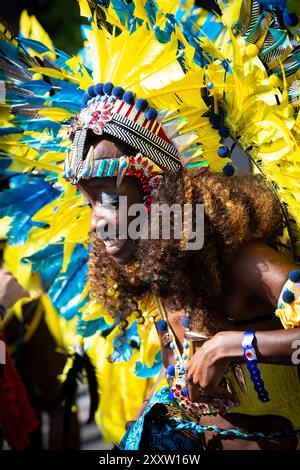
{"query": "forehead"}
{"type": "Point", "coordinates": [107, 148]}
{"type": "Point", "coordinates": [108, 184]}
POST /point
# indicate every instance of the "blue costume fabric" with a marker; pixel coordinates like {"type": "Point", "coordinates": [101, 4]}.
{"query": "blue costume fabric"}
{"type": "Point", "coordinates": [157, 428]}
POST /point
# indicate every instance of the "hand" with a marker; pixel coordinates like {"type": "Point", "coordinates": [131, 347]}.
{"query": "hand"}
{"type": "Point", "coordinates": [206, 367]}
{"type": "Point", "coordinates": [10, 289]}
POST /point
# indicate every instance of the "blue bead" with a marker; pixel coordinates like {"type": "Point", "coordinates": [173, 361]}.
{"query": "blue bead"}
{"type": "Point", "coordinates": [85, 99]}
{"type": "Point", "coordinates": [210, 85]}
{"type": "Point", "coordinates": [294, 275]}
{"type": "Point", "coordinates": [151, 113]}
{"type": "Point", "coordinates": [223, 131]}
{"type": "Point", "coordinates": [141, 104]}
{"type": "Point", "coordinates": [223, 151]}
{"type": "Point", "coordinates": [291, 19]}
{"type": "Point", "coordinates": [91, 91]}
{"type": "Point", "coordinates": [288, 296]}
{"type": "Point", "coordinates": [228, 170]}
{"type": "Point", "coordinates": [118, 92]}
{"type": "Point", "coordinates": [64, 175]}
{"type": "Point", "coordinates": [172, 345]}
{"type": "Point", "coordinates": [171, 396]}
{"type": "Point", "coordinates": [132, 20]}
{"type": "Point", "coordinates": [171, 370]}
{"type": "Point", "coordinates": [162, 325]}
{"type": "Point", "coordinates": [70, 171]}
{"type": "Point", "coordinates": [186, 321]}
{"type": "Point", "coordinates": [185, 344]}
{"type": "Point", "coordinates": [185, 391]}
{"type": "Point", "coordinates": [176, 357]}
{"type": "Point", "coordinates": [155, 27]}
{"type": "Point", "coordinates": [98, 89]}
{"type": "Point", "coordinates": [128, 97]}
{"type": "Point", "coordinates": [104, 98]}
{"type": "Point", "coordinates": [184, 356]}
{"type": "Point", "coordinates": [86, 172]}
{"type": "Point", "coordinates": [107, 88]}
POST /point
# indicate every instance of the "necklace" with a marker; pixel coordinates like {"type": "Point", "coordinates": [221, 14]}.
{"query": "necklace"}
{"type": "Point", "coordinates": [176, 373]}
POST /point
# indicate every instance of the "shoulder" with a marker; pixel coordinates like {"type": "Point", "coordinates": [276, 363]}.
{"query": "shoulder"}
{"type": "Point", "coordinates": [262, 270]}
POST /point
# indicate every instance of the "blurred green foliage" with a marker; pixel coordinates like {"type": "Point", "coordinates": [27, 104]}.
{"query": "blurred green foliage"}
{"type": "Point", "coordinates": [61, 20]}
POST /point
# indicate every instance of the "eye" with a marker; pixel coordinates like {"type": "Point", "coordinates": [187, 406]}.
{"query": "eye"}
{"type": "Point", "coordinates": [109, 199]}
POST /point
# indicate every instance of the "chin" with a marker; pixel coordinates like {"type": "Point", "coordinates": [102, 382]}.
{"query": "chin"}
{"type": "Point", "coordinates": [124, 255]}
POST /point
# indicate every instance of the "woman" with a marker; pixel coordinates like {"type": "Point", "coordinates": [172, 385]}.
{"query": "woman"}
{"type": "Point", "coordinates": [230, 286]}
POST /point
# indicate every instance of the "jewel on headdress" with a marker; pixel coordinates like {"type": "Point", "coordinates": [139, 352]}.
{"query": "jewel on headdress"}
{"type": "Point", "coordinates": [128, 97]}
{"type": "Point", "coordinates": [85, 99]}
{"type": "Point", "coordinates": [118, 92]}
{"type": "Point", "coordinates": [151, 113]}
{"type": "Point", "coordinates": [73, 162]}
{"type": "Point", "coordinates": [199, 167]}
{"type": "Point", "coordinates": [141, 104]}
{"type": "Point", "coordinates": [107, 88]}
{"type": "Point", "coordinates": [91, 91]}
{"type": "Point", "coordinates": [98, 89]}
{"type": "Point", "coordinates": [88, 165]}
{"type": "Point", "coordinates": [112, 166]}
{"type": "Point", "coordinates": [101, 168]}
{"type": "Point", "coordinates": [123, 165]}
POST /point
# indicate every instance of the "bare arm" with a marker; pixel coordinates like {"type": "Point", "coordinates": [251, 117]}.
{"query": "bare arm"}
{"type": "Point", "coordinates": [264, 272]}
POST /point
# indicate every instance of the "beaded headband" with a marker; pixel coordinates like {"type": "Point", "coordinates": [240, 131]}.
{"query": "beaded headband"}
{"type": "Point", "coordinates": [111, 110]}
{"type": "Point", "coordinates": [137, 166]}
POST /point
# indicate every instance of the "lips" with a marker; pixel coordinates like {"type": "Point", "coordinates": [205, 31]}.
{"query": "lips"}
{"type": "Point", "coordinates": [113, 247]}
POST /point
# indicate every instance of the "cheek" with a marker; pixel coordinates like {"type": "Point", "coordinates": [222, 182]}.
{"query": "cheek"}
{"type": "Point", "coordinates": [102, 217]}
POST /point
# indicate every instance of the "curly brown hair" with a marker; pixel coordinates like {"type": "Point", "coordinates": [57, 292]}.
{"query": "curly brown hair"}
{"type": "Point", "coordinates": [237, 210]}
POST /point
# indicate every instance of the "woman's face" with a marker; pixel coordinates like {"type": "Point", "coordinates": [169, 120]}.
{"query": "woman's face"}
{"type": "Point", "coordinates": [102, 195]}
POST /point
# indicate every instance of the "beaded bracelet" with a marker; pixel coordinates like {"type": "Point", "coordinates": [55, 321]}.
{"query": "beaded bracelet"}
{"type": "Point", "coordinates": [251, 360]}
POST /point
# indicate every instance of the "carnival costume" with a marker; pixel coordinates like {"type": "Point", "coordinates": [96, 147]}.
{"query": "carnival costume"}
{"type": "Point", "coordinates": [185, 90]}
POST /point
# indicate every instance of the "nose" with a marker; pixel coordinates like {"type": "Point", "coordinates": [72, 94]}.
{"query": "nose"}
{"type": "Point", "coordinates": [98, 221]}
{"type": "Point", "coordinates": [103, 219]}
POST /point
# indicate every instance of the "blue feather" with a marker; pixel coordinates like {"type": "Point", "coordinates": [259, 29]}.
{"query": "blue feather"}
{"type": "Point", "coordinates": [37, 46]}
{"type": "Point", "coordinates": [144, 371]}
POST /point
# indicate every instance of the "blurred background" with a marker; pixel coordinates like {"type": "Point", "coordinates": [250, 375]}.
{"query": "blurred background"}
{"type": "Point", "coordinates": [60, 18]}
